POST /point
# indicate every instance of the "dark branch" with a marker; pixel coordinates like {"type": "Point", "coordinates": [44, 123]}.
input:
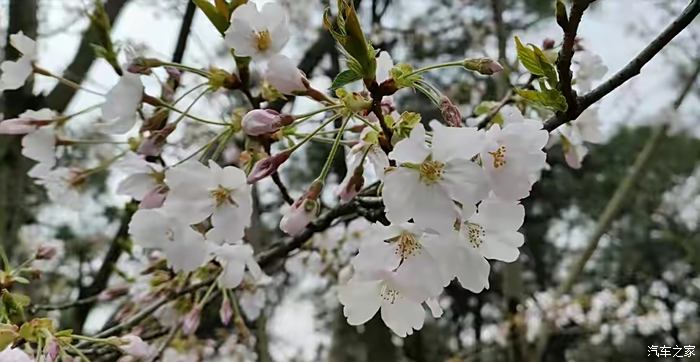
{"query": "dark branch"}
{"type": "Point", "coordinates": [633, 68]}
{"type": "Point", "coordinates": [184, 34]}
{"type": "Point", "coordinates": [570, 28]}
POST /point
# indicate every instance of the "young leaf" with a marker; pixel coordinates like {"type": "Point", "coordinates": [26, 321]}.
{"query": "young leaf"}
{"type": "Point", "coordinates": [548, 98]}
{"type": "Point", "coordinates": [345, 77]}
{"type": "Point", "coordinates": [536, 62]}
{"type": "Point", "coordinates": [215, 17]}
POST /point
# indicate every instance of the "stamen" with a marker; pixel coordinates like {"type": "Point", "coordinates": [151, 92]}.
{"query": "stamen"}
{"type": "Point", "coordinates": [431, 171]}
{"type": "Point", "coordinates": [407, 245]}
{"type": "Point", "coordinates": [389, 294]}
{"type": "Point", "coordinates": [474, 233]}
{"type": "Point", "coordinates": [222, 195]}
{"type": "Point", "coordinates": [263, 40]}
{"type": "Point", "coordinates": [499, 157]}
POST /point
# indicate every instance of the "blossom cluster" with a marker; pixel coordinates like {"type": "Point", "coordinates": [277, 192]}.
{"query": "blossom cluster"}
{"type": "Point", "coordinates": [451, 193]}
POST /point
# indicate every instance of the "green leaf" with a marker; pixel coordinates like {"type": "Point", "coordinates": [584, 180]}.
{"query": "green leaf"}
{"type": "Point", "coordinates": [548, 98]}
{"type": "Point", "coordinates": [346, 30]}
{"type": "Point", "coordinates": [403, 77]}
{"type": "Point", "coordinates": [345, 77]}
{"type": "Point", "coordinates": [536, 62]}
{"type": "Point", "coordinates": [485, 107]}
{"type": "Point", "coordinates": [215, 17]}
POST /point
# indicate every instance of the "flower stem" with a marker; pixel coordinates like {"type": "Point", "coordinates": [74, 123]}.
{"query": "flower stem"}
{"type": "Point", "coordinates": [186, 68]}
{"type": "Point", "coordinates": [70, 83]}
{"type": "Point", "coordinates": [436, 66]}
{"type": "Point", "coordinates": [187, 110]}
{"type": "Point", "coordinates": [334, 150]}
{"type": "Point", "coordinates": [304, 117]}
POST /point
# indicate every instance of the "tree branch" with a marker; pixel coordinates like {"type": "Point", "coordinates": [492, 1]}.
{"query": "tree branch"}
{"type": "Point", "coordinates": [633, 68]}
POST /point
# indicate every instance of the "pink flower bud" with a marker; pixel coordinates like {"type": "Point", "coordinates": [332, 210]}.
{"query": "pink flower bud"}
{"type": "Point", "coordinates": [302, 212]}
{"type": "Point", "coordinates": [264, 121]}
{"type": "Point", "coordinates": [27, 122]}
{"type": "Point", "coordinates": [450, 113]}
{"type": "Point", "coordinates": [45, 252]}
{"type": "Point", "coordinates": [485, 66]}
{"type": "Point", "coordinates": [225, 312]}
{"type": "Point", "coordinates": [51, 351]}
{"type": "Point", "coordinates": [548, 43]}
{"type": "Point", "coordinates": [136, 347]}
{"type": "Point", "coordinates": [153, 145]}
{"type": "Point", "coordinates": [267, 166]}
{"type": "Point", "coordinates": [191, 321]}
{"type": "Point", "coordinates": [154, 198]}
{"type": "Point", "coordinates": [352, 185]}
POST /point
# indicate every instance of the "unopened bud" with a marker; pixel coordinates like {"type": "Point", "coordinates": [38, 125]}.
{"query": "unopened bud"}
{"type": "Point", "coordinates": [220, 78]}
{"type": "Point", "coordinates": [264, 121]}
{"type": "Point", "coordinates": [191, 321]}
{"type": "Point", "coordinates": [267, 166]}
{"type": "Point", "coordinates": [548, 43]}
{"type": "Point", "coordinates": [143, 65]}
{"type": "Point", "coordinates": [154, 198]}
{"type": "Point", "coordinates": [450, 113]}
{"type": "Point", "coordinates": [45, 252]}
{"type": "Point", "coordinates": [225, 312]}
{"type": "Point", "coordinates": [303, 211]}
{"type": "Point", "coordinates": [354, 184]}
{"type": "Point", "coordinates": [485, 66]}
{"type": "Point", "coordinates": [153, 144]}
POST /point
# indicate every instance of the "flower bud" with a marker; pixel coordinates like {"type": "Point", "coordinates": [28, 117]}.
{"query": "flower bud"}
{"type": "Point", "coordinates": [27, 122]}
{"type": "Point", "coordinates": [191, 321]}
{"type": "Point", "coordinates": [51, 350]}
{"type": "Point", "coordinates": [143, 65]}
{"type": "Point", "coordinates": [264, 121]}
{"type": "Point", "coordinates": [349, 189]}
{"type": "Point", "coordinates": [548, 43]}
{"type": "Point", "coordinates": [267, 166]}
{"type": "Point", "coordinates": [284, 76]}
{"type": "Point", "coordinates": [225, 312]}
{"type": "Point", "coordinates": [303, 211]}
{"type": "Point", "coordinates": [45, 252]}
{"type": "Point", "coordinates": [112, 293]}
{"type": "Point", "coordinates": [485, 66]}
{"type": "Point", "coordinates": [153, 144]}
{"type": "Point", "coordinates": [135, 346]}
{"type": "Point", "coordinates": [221, 78]}
{"type": "Point", "coordinates": [450, 113]}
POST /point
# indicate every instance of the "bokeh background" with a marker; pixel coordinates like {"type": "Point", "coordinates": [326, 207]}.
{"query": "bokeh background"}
{"type": "Point", "coordinates": [641, 288]}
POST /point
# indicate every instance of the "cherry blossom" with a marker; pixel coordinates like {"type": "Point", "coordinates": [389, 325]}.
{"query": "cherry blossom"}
{"type": "Point", "coordinates": [258, 33]}
{"type": "Point", "coordinates": [15, 73]}
{"type": "Point", "coordinates": [493, 229]}
{"type": "Point", "coordinates": [303, 211]}
{"type": "Point", "coordinates": [367, 148]}
{"type": "Point", "coordinates": [198, 192]}
{"type": "Point", "coordinates": [27, 122]}
{"type": "Point", "coordinates": [143, 177]}
{"type": "Point", "coordinates": [63, 185]}
{"type": "Point", "coordinates": [428, 181]}
{"type": "Point", "coordinates": [121, 103]}
{"type": "Point", "coordinates": [40, 146]}
{"type": "Point", "coordinates": [586, 128]}
{"type": "Point", "coordinates": [235, 259]}
{"type": "Point", "coordinates": [185, 248]}
{"type": "Point", "coordinates": [284, 75]}
{"type": "Point", "coordinates": [512, 156]}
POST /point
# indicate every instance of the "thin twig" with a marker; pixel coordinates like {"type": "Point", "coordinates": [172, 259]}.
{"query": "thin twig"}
{"type": "Point", "coordinates": [633, 68]}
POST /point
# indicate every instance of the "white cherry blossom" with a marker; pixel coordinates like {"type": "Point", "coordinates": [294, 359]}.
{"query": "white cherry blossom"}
{"type": "Point", "coordinates": [10, 354]}
{"type": "Point", "coordinates": [428, 181]}
{"type": "Point", "coordinates": [284, 75]}
{"type": "Point", "coordinates": [235, 259]}
{"type": "Point", "coordinates": [493, 229]}
{"type": "Point", "coordinates": [258, 33]}
{"type": "Point", "coordinates": [40, 146]}
{"type": "Point", "coordinates": [512, 156]}
{"type": "Point", "coordinates": [184, 248]}
{"type": "Point", "coordinates": [586, 128]}
{"type": "Point", "coordinates": [143, 176]}
{"type": "Point", "coordinates": [198, 191]}
{"type": "Point", "coordinates": [15, 73]}
{"type": "Point", "coordinates": [404, 249]}
{"type": "Point", "coordinates": [121, 103]}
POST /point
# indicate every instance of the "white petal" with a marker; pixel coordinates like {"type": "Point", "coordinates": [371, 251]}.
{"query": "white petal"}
{"type": "Point", "coordinates": [40, 145]}
{"type": "Point", "coordinates": [189, 197]}
{"type": "Point", "coordinates": [360, 299]}
{"type": "Point", "coordinates": [435, 308]}
{"type": "Point", "coordinates": [14, 74]}
{"type": "Point", "coordinates": [502, 246]}
{"type": "Point", "coordinates": [121, 103]}
{"type": "Point", "coordinates": [403, 316]}
{"type": "Point", "coordinates": [465, 181]}
{"type": "Point", "coordinates": [23, 44]}
{"type": "Point", "coordinates": [411, 149]}
{"type": "Point", "coordinates": [384, 65]}
{"type": "Point", "coordinates": [473, 270]}
{"type": "Point", "coordinates": [136, 185]}
{"type": "Point", "coordinates": [284, 75]}
{"type": "Point", "coordinates": [149, 228]}
{"type": "Point", "coordinates": [229, 222]}
{"type": "Point", "coordinates": [456, 142]}
{"type": "Point", "coordinates": [501, 215]}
